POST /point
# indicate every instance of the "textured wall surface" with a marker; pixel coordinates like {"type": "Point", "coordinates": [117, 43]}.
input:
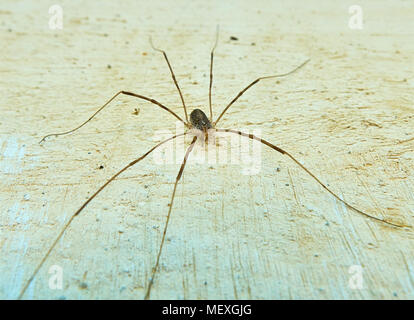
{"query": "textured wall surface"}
{"type": "Point", "coordinates": [348, 116]}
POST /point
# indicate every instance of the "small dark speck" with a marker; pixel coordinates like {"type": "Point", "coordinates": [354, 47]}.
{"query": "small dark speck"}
{"type": "Point", "coordinates": [105, 34]}
{"type": "Point", "coordinates": [83, 285]}
{"type": "Point", "coordinates": [316, 255]}
{"type": "Point", "coordinates": [10, 30]}
{"type": "Point", "coordinates": [395, 294]}
{"type": "Point", "coordinates": [327, 223]}
{"type": "Point", "coordinates": [253, 44]}
{"type": "Point", "coordinates": [146, 186]}
{"type": "Point", "coordinates": [101, 167]}
{"type": "Point", "coordinates": [89, 152]}
{"type": "Point", "coordinates": [277, 169]}
{"type": "Point", "coordinates": [205, 283]}
{"type": "Point", "coordinates": [287, 184]}
{"type": "Point", "coordinates": [234, 38]}
{"type": "Point", "coordinates": [109, 66]}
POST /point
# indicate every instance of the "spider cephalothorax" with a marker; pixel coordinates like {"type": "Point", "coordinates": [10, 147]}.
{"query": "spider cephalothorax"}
{"type": "Point", "coordinates": [199, 120]}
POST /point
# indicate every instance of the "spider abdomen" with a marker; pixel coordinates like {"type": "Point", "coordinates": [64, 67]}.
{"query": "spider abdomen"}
{"type": "Point", "coordinates": [199, 120]}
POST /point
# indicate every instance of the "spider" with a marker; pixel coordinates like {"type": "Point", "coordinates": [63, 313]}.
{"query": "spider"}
{"type": "Point", "coordinates": [203, 126]}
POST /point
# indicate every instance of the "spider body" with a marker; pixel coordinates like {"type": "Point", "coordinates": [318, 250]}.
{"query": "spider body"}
{"type": "Point", "coordinates": [201, 124]}
{"type": "Point", "coordinates": [199, 120]}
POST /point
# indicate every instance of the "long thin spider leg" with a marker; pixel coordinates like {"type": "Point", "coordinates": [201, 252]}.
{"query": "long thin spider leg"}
{"type": "Point", "coordinates": [83, 206]}
{"type": "Point", "coordinates": [211, 74]}
{"type": "Point", "coordinates": [108, 102]}
{"type": "Point", "coordinates": [256, 81]}
{"type": "Point", "coordinates": [173, 76]}
{"type": "Point", "coordinates": [154, 270]}
{"type": "Point", "coordinates": [253, 137]}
